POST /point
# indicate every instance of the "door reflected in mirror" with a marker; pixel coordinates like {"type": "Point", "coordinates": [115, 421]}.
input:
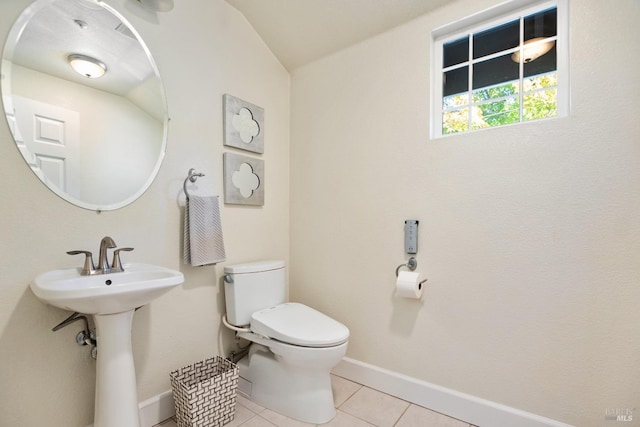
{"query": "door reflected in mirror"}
{"type": "Point", "coordinates": [94, 133]}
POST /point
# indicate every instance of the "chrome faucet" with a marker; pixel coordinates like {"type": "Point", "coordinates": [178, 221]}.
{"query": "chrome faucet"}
{"type": "Point", "coordinates": [103, 263]}
{"type": "Point", "coordinates": [89, 268]}
{"type": "Point", "coordinates": [116, 264]}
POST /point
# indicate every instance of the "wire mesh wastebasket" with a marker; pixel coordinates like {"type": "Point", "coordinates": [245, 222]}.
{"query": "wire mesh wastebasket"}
{"type": "Point", "coordinates": [204, 393]}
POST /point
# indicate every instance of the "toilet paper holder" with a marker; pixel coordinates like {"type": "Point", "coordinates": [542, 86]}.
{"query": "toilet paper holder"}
{"type": "Point", "coordinates": [412, 264]}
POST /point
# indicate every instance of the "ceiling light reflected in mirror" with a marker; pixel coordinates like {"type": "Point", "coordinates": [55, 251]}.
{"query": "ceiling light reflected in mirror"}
{"type": "Point", "coordinates": [87, 66]}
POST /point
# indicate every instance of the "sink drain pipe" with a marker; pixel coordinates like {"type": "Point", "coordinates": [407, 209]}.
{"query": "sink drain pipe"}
{"type": "Point", "coordinates": [85, 337]}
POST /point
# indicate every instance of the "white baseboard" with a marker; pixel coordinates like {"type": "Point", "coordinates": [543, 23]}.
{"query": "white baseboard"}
{"type": "Point", "coordinates": [156, 409]}
{"type": "Point", "coordinates": [471, 409]}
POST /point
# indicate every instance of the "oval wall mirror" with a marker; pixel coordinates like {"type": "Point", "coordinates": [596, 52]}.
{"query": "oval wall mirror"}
{"type": "Point", "coordinates": [84, 102]}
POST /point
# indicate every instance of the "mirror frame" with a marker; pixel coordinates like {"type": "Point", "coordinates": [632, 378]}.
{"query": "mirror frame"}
{"type": "Point", "coordinates": [5, 91]}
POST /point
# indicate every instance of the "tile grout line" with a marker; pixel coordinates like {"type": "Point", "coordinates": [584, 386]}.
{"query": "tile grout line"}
{"type": "Point", "coordinates": [403, 412]}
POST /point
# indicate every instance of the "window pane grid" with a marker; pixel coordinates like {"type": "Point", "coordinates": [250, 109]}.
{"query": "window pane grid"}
{"type": "Point", "coordinates": [461, 100]}
{"type": "Point", "coordinates": [497, 54]}
{"type": "Point", "coordinates": [537, 100]}
{"type": "Point", "coordinates": [456, 102]}
{"type": "Point", "coordinates": [473, 62]}
{"type": "Point", "coordinates": [508, 107]}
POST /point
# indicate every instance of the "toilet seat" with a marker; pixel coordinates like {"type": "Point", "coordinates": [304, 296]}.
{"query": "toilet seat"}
{"type": "Point", "coordinates": [297, 324]}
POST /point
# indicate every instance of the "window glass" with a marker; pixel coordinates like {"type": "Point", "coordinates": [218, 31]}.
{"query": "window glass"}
{"type": "Point", "coordinates": [455, 52]}
{"type": "Point", "coordinates": [541, 24]}
{"type": "Point", "coordinates": [540, 99]}
{"type": "Point", "coordinates": [495, 71]}
{"type": "Point", "coordinates": [499, 75]}
{"type": "Point", "coordinates": [456, 81]}
{"type": "Point", "coordinates": [543, 64]}
{"type": "Point", "coordinates": [496, 39]}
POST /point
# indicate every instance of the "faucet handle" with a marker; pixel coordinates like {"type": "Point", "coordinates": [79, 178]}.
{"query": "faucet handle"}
{"type": "Point", "coordinates": [116, 265]}
{"type": "Point", "coordinates": [88, 267]}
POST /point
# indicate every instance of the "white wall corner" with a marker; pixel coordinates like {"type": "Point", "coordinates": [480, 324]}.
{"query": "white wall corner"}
{"type": "Point", "coordinates": [458, 405]}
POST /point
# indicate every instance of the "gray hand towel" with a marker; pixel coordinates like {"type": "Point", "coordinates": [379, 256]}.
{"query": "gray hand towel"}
{"type": "Point", "coordinates": [203, 243]}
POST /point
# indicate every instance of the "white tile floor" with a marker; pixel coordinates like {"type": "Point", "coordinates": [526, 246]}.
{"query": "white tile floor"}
{"type": "Point", "coordinates": [358, 406]}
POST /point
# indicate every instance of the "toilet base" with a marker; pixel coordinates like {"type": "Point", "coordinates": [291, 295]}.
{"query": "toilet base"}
{"type": "Point", "coordinates": [300, 392]}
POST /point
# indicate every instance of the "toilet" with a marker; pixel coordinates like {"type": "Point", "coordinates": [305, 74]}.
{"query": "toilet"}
{"type": "Point", "coordinates": [293, 347]}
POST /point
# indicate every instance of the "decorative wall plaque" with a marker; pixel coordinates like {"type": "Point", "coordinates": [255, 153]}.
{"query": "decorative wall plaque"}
{"type": "Point", "coordinates": [243, 180]}
{"type": "Point", "coordinates": [243, 125]}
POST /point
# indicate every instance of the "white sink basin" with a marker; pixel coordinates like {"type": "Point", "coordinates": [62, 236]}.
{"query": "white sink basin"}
{"type": "Point", "coordinates": [110, 293]}
{"type": "Point", "coordinates": [111, 299]}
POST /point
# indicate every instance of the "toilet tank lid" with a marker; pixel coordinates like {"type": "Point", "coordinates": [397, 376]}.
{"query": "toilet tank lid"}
{"type": "Point", "coordinates": [254, 267]}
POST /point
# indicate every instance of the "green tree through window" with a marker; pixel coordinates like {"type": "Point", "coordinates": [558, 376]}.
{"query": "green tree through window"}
{"type": "Point", "coordinates": [500, 105]}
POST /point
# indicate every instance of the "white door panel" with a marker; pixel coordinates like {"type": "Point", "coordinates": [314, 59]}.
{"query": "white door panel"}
{"type": "Point", "coordinates": [51, 137]}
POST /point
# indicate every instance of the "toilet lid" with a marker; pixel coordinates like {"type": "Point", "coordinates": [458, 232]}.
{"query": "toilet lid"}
{"type": "Point", "coordinates": [297, 324]}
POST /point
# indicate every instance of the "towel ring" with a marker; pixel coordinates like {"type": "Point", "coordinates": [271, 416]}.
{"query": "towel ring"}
{"type": "Point", "coordinates": [193, 176]}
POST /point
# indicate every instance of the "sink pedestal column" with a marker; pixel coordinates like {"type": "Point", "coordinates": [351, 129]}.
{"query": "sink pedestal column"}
{"type": "Point", "coordinates": [116, 392]}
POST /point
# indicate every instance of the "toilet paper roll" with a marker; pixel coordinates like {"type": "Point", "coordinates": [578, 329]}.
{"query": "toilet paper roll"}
{"type": "Point", "coordinates": [408, 285]}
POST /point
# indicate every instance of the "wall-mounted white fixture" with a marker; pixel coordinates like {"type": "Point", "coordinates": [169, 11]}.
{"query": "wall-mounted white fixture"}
{"type": "Point", "coordinates": [533, 49]}
{"type": "Point", "coordinates": [112, 300]}
{"type": "Point", "coordinates": [86, 66]}
{"type": "Point", "coordinates": [157, 5]}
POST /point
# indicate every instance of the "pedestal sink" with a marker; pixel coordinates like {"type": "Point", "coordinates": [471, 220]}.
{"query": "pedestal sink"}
{"type": "Point", "coordinates": [111, 299]}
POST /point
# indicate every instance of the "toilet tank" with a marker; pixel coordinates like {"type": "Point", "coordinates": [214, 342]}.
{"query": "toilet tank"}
{"type": "Point", "coordinates": [251, 287]}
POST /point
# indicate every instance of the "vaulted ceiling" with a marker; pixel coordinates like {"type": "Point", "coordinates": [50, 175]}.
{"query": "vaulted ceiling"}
{"type": "Point", "coordinates": [301, 31]}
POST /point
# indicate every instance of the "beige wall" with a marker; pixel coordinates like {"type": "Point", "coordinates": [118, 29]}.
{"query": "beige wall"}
{"type": "Point", "coordinates": [529, 234]}
{"type": "Point", "coordinates": [203, 48]}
